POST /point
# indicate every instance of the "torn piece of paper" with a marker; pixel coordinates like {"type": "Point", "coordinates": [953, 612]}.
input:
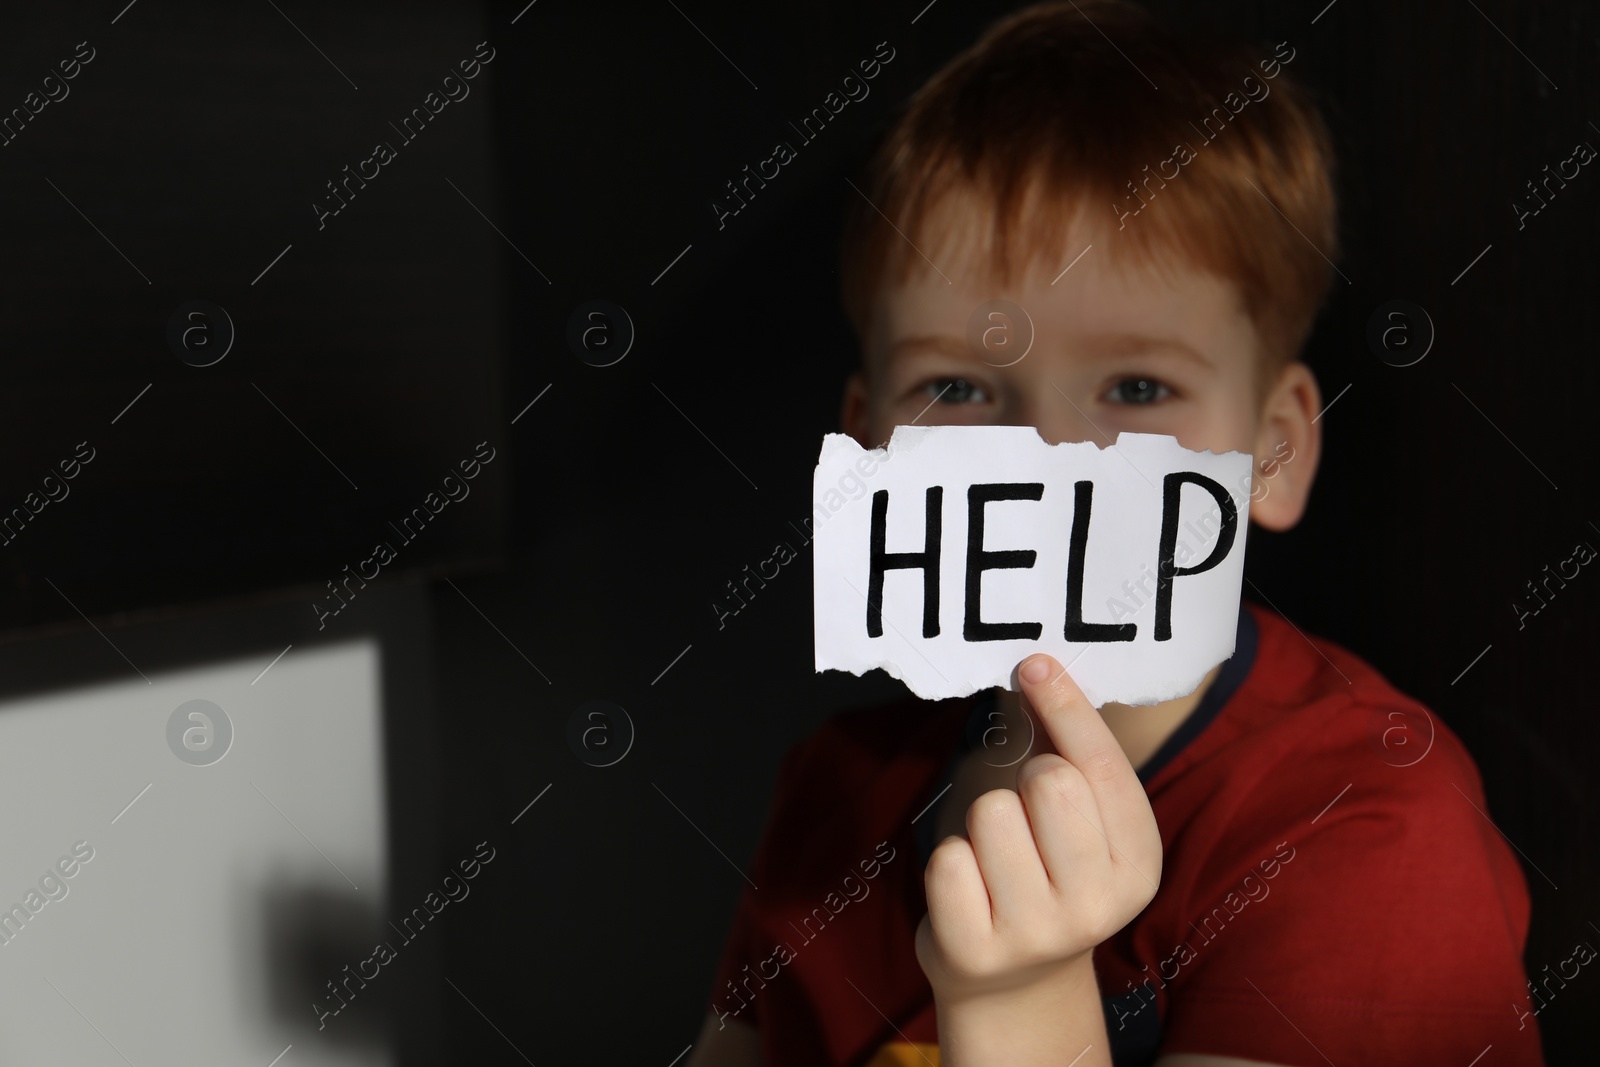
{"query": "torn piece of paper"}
{"type": "Point", "coordinates": [952, 554]}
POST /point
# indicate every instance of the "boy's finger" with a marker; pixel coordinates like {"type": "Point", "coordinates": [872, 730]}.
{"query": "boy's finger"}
{"type": "Point", "coordinates": [1064, 816]}
{"type": "Point", "coordinates": [1008, 857]}
{"type": "Point", "coordinates": [1082, 737]}
{"type": "Point", "coordinates": [958, 901]}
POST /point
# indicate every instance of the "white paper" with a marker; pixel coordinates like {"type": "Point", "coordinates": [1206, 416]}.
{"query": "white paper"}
{"type": "Point", "coordinates": [1121, 584]}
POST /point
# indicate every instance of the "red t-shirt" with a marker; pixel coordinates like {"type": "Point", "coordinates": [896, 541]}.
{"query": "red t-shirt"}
{"type": "Point", "coordinates": [1332, 888]}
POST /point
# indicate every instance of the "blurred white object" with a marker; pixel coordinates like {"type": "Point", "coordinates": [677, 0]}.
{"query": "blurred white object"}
{"type": "Point", "coordinates": [159, 947]}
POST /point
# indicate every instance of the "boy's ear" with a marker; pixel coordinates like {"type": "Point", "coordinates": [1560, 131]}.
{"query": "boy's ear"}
{"type": "Point", "coordinates": [853, 418]}
{"type": "Point", "coordinates": [1287, 449]}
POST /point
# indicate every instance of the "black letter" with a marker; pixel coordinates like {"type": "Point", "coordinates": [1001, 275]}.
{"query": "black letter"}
{"type": "Point", "coordinates": [978, 561]}
{"type": "Point", "coordinates": [880, 561]}
{"type": "Point", "coordinates": [1172, 494]}
{"type": "Point", "coordinates": [1076, 629]}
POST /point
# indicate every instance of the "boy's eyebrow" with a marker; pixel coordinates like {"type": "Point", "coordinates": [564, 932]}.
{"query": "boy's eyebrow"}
{"type": "Point", "coordinates": [1130, 343]}
{"type": "Point", "coordinates": [944, 343]}
{"type": "Point", "coordinates": [1111, 344]}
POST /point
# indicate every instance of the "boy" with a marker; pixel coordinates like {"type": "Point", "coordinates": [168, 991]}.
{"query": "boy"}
{"type": "Point", "coordinates": [1292, 864]}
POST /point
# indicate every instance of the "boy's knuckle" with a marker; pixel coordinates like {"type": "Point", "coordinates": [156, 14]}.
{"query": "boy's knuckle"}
{"type": "Point", "coordinates": [947, 859]}
{"type": "Point", "coordinates": [1057, 784]}
{"type": "Point", "coordinates": [994, 809]}
{"type": "Point", "coordinates": [1037, 767]}
{"type": "Point", "coordinates": [1101, 764]}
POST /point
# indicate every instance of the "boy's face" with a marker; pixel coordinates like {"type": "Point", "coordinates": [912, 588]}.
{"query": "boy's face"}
{"type": "Point", "coordinates": [1111, 350]}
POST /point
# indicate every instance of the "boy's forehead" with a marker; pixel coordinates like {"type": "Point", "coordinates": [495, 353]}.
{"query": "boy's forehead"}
{"type": "Point", "coordinates": [1087, 289]}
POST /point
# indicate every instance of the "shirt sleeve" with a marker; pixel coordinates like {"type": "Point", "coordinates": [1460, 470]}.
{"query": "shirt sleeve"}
{"type": "Point", "coordinates": [1389, 931]}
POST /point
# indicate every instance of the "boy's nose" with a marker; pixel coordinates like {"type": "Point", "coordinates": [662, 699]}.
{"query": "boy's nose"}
{"type": "Point", "coordinates": [1059, 419]}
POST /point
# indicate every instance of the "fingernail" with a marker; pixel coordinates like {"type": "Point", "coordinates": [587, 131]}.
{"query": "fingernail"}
{"type": "Point", "coordinates": [1036, 670]}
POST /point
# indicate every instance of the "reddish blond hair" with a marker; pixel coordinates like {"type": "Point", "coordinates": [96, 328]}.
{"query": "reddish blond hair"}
{"type": "Point", "coordinates": [1051, 117]}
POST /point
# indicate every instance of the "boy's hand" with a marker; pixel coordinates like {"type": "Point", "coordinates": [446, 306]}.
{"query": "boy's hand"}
{"type": "Point", "coordinates": [1052, 869]}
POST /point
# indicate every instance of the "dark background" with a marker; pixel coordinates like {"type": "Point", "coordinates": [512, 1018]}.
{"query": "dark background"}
{"type": "Point", "coordinates": [595, 141]}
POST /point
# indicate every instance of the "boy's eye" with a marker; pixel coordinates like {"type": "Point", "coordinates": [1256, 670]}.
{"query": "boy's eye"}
{"type": "Point", "coordinates": [1138, 391]}
{"type": "Point", "coordinates": [954, 391]}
